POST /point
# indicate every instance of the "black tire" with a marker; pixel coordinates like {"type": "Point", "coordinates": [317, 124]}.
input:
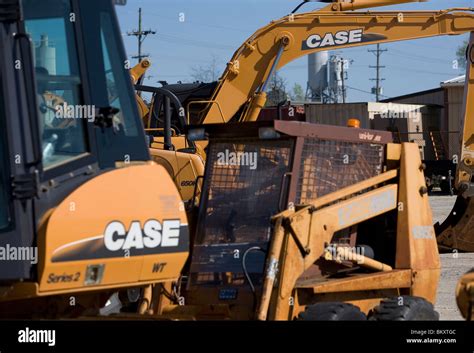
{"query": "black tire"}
{"type": "Point", "coordinates": [405, 308]}
{"type": "Point", "coordinates": [332, 311]}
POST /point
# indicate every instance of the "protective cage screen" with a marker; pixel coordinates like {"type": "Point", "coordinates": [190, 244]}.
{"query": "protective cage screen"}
{"type": "Point", "coordinates": [328, 165]}
{"type": "Point", "coordinates": [241, 194]}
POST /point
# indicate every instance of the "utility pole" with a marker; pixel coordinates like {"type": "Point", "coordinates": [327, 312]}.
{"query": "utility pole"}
{"type": "Point", "coordinates": [141, 36]}
{"type": "Point", "coordinates": [378, 88]}
{"type": "Point", "coordinates": [343, 78]}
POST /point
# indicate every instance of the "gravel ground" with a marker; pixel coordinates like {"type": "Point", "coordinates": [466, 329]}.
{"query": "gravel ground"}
{"type": "Point", "coordinates": [453, 266]}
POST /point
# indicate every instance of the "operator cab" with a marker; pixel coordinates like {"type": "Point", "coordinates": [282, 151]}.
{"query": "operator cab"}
{"type": "Point", "coordinates": [256, 170]}
{"type": "Point", "coordinates": [67, 112]}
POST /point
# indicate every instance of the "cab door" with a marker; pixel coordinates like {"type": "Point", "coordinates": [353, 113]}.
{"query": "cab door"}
{"type": "Point", "coordinates": [19, 149]}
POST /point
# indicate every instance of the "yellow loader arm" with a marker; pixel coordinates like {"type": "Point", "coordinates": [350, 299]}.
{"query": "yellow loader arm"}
{"type": "Point", "coordinates": [135, 73]}
{"type": "Point", "coordinates": [244, 81]}
{"type": "Point", "coordinates": [139, 70]}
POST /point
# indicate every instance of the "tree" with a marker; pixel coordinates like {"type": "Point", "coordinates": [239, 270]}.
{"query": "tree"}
{"type": "Point", "coordinates": [461, 54]}
{"type": "Point", "coordinates": [298, 93]}
{"type": "Point", "coordinates": [276, 91]}
{"type": "Point", "coordinates": [207, 73]}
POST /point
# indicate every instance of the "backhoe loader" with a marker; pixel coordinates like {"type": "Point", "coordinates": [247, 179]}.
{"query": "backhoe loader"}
{"type": "Point", "coordinates": [239, 94]}
{"type": "Point", "coordinates": [84, 211]}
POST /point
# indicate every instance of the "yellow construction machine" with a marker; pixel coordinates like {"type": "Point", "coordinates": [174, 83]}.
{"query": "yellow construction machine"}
{"type": "Point", "coordinates": [297, 220]}
{"type": "Point", "coordinates": [293, 220]}
{"type": "Point", "coordinates": [315, 222]}
{"type": "Point", "coordinates": [84, 211]}
{"type": "Point", "coordinates": [239, 95]}
{"type": "Point", "coordinates": [457, 231]}
{"type": "Point", "coordinates": [164, 121]}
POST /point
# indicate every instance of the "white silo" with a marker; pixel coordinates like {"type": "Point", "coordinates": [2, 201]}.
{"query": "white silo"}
{"type": "Point", "coordinates": [335, 77]}
{"type": "Point", "coordinates": [318, 76]}
{"type": "Point", "coordinates": [46, 55]}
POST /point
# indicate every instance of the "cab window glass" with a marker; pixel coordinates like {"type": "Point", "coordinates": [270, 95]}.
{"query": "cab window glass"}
{"type": "Point", "coordinates": [63, 115]}
{"type": "Point", "coordinates": [110, 87]}
{"type": "Point", "coordinates": [116, 97]}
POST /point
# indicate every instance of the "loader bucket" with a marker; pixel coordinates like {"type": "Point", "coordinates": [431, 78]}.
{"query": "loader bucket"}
{"type": "Point", "coordinates": [457, 231]}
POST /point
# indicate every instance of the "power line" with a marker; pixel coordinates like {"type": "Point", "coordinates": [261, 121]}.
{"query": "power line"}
{"type": "Point", "coordinates": [419, 57]}
{"type": "Point", "coordinates": [192, 42]}
{"type": "Point", "coordinates": [404, 69]}
{"type": "Point", "coordinates": [141, 36]}
{"type": "Point", "coordinates": [196, 23]}
{"type": "Point", "coordinates": [361, 90]}
{"type": "Point", "coordinates": [378, 53]}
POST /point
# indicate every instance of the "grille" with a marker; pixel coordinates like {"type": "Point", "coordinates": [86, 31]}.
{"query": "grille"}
{"type": "Point", "coordinates": [327, 166]}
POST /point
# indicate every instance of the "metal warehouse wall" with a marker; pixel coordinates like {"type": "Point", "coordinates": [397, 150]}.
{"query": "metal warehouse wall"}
{"type": "Point", "coordinates": [338, 114]}
{"type": "Point", "coordinates": [451, 100]}
{"type": "Point", "coordinates": [416, 117]}
{"type": "Point", "coordinates": [412, 127]}
{"type": "Point", "coordinates": [431, 97]}
{"type": "Point", "coordinates": [455, 96]}
{"type": "Point", "coordinates": [434, 97]}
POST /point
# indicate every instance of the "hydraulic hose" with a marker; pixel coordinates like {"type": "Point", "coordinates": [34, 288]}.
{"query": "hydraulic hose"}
{"type": "Point", "coordinates": [246, 273]}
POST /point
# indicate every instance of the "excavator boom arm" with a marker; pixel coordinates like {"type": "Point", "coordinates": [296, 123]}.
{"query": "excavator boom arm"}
{"type": "Point", "coordinates": [272, 47]}
{"type": "Point", "coordinates": [342, 5]}
{"type": "Point", "coordinates": [298, 35]}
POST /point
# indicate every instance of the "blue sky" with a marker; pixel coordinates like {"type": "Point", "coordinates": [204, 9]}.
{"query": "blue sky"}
{"type": "Point", "coordinates": [216, 28]}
